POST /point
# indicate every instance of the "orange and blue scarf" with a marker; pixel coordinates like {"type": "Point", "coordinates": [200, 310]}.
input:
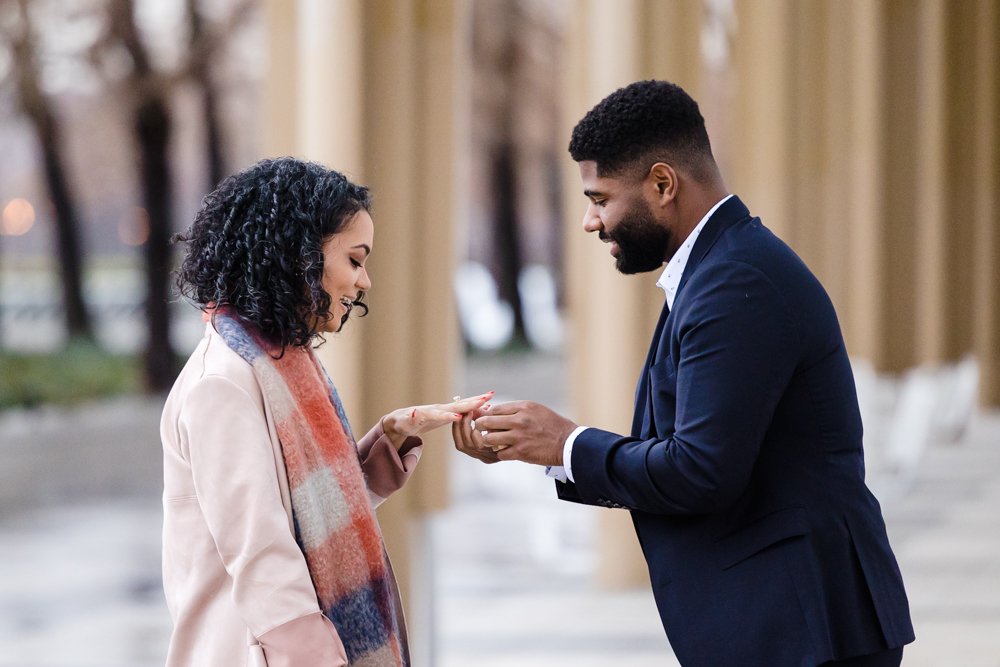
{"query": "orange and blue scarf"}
{"type": "Point", "coordinates": [335, 523]}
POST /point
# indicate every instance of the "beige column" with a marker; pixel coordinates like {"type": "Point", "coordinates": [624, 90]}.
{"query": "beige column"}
{"type": "Point", "coordinates": [835, 192]}
{"type": "Point", "coordinates": [884, 176]}
{"type": "Point", "coordinates": [964, 183]}
{"type": "Point", "coordinates": [370, 88]}
{"type": "Point", "coordinates": [862, 57]}
{"type": "Point", "coordinates": [281, 81]}
{"type": "Point", "coordinates": [329, 130]}
{"type": "Point", "coordinates": [811, 166]}
{"type": "Point", "coordinates": [762, 168]}
{"type": "Point", "coordinates": [985, 157]}
{"type": "Point", "coordinates": [609, 313]}
{"type": "Point", "coordinates": [411, 54]}
{"type": "Point", "coordinates": [613, 316]}
{"type": "Point", "coordinates": [313, 111]}
{"type": "Point", "coordinates": [930, 153]}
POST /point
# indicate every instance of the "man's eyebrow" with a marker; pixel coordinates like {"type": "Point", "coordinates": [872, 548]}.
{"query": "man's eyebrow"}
{"type": "Point", "coordinates": [367, 248]}
{"type": "Point", "coordinates": [592, 193]}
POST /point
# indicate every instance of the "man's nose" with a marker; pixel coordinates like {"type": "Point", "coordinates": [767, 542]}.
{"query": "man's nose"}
{"type": "Point", "coordinates": [591, 221]}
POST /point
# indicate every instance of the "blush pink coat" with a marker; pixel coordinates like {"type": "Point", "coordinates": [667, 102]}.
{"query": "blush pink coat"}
{"type": "Point", "coordinates": [235, 580]}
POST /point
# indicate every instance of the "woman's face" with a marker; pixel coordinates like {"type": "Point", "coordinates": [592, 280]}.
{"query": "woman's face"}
{"type": "Point", "coordinates": [344, 274]}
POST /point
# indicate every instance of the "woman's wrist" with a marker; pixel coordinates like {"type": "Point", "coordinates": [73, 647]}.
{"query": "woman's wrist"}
{"type": "Point", "coordinates": [390, 429]}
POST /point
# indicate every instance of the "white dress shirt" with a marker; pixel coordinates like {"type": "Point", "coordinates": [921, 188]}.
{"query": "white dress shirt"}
{"type": "Point", "coordinates": [669, 281]}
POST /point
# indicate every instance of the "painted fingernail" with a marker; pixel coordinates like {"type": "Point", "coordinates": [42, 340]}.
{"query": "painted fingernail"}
{"type": "Point", "coordinates": [413, 415]}
{"type": "Point", "coordinates": [457, 415]}
{"type": "Point", "coordinates": [487, 406]}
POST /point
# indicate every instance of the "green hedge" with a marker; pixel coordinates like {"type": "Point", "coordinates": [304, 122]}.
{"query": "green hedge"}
{"type": "Point", "coordinates": [79, 373]}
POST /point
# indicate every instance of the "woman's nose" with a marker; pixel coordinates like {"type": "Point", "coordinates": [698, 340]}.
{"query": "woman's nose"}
{"type": "Point", "coordinates": [364, 282]}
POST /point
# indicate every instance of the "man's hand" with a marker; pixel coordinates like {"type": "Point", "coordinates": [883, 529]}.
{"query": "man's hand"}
{"type": "Point", "coordinates": [470, 441]}
{"type": "Point", "coordinates": [523, 431]}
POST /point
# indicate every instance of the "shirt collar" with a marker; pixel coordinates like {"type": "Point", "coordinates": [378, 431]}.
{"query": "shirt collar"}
{"type": "Point", "coordinates": [670, 279]}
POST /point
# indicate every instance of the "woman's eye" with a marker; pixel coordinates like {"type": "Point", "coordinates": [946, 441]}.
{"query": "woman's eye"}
{"type": "Point", "coordinates": [355, 263]}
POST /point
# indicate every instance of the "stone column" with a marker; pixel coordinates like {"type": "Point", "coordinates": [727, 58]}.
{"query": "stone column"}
{"type": "Point", "coordinates": [762, 168]}
{"type": "Point", "coordinates": [370, 88]}
{"type": "Point", "coordinates": [985, 157]}
{"type": "Point", "coordinates": [612, 316]}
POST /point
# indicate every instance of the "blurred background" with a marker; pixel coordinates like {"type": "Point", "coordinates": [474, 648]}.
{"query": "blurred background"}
{"type": "Point", "coordinates": [866, 133]}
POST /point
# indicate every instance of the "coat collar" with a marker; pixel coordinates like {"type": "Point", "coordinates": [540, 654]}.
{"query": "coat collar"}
{"type": "Point", "coordinates": [732, 211]}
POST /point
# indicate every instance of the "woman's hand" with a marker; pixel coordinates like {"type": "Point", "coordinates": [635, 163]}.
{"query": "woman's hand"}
{"type": "Point", "coordinates": [417, 420]}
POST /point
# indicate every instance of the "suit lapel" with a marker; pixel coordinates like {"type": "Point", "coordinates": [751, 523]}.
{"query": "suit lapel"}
{"type": "Point", "coordinates": [727, 215]}
{"type": "Point", "coordinates": [642, 392]}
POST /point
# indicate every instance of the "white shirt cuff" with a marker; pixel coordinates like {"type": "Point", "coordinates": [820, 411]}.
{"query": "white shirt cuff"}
{"type": "Point", "coordinates": [564, 472]}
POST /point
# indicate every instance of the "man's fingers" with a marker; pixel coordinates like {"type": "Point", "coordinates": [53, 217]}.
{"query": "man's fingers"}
{"type": "Point", "coordinates": [509, 408]}
{"type": "Point", "coordinates": [495, 422]}
{"type": "Point", "coordinates": [464, 430]}
{"type": "Point", "coordinates": [499, 438]}
{"type": "Point", "coordinates": [508, 454]}
{"type": "Point", "coordinates": [476, 436]}
{"type": "Point", "coordinates": [457, 434]}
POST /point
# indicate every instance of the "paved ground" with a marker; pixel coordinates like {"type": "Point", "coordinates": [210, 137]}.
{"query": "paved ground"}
{"type": "Point", "coordinates": [79, 549]}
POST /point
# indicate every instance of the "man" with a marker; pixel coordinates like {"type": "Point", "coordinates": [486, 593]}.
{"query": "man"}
{"type": "Point", "coordinates": [744, 470]}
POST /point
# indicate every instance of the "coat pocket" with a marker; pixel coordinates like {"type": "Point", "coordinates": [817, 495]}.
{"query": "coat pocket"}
{"type": "Point", "coordinates": [764, 532]}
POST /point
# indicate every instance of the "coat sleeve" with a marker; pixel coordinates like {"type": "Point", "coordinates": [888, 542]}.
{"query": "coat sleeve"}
{"type": "Point", "coordinates": [386, 469]}
{"type": "Point", "coordinates": [225, 438]}
{"type": "Point", "coordinates": [738, 349]}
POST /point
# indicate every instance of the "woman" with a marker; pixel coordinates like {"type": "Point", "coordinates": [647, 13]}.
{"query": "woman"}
{"type": "Point", "coordinates": [271, 551]}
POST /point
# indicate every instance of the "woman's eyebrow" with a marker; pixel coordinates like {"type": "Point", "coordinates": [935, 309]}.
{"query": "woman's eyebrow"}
{"type": "Point", "coordinates": [367, 248]}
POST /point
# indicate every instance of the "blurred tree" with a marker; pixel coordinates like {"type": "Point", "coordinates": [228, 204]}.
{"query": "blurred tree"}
{"type": "Point", "coordinates": [20, 36]}
{"type": "Point", "coordinates": [152, 125]}
{"type": "Point", "coordinates": [201, 72]}
{"type": "Point", "coordinates": [516, 47]}
{"type": "Point", "coordinates": [148, 90]}
{"type": "Point", "coordinates": [503, 177]}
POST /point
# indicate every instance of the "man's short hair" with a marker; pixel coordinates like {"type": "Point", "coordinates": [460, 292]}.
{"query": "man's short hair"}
{"type": "Point", "coordinates": [640, 124]}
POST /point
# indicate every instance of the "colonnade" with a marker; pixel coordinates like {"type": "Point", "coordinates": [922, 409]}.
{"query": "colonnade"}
{"type": "Point", "coordinates": [865, 133]}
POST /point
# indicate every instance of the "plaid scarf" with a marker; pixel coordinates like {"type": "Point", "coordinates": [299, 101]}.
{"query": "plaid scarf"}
{"type": "Point", "coordinates": [334, 520]}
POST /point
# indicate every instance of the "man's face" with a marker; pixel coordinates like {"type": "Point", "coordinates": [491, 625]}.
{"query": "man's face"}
{"type": "Point", "coordinates": [621, 214]}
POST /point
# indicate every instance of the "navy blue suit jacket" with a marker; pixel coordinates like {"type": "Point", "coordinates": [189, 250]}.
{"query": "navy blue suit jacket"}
{"type": "Point", "coordinates": [744, 470]}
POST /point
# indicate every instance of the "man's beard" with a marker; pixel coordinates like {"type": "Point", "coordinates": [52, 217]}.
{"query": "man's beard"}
{"type": "Point", "coordinates": [642, 243]}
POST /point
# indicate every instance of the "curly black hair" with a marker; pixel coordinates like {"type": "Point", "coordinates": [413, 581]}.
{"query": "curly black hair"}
{"type": "Point", "coordinates": [256, 246]}
{"type": "Point", "coordinates": [642, 123]}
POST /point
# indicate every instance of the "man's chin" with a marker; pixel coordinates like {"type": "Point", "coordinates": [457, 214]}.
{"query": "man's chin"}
{"type": "Point", "coordinates": [628, 268]}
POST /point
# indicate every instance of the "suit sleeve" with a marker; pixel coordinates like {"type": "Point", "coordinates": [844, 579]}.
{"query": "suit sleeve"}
{"type": "Point", "coordinates": [225, 438]}
{"type": "Point", "coordinates": [737, 352]}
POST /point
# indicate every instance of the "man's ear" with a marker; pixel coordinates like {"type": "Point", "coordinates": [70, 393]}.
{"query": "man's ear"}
{"type": "Point", "coordinates": [664, 179]}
